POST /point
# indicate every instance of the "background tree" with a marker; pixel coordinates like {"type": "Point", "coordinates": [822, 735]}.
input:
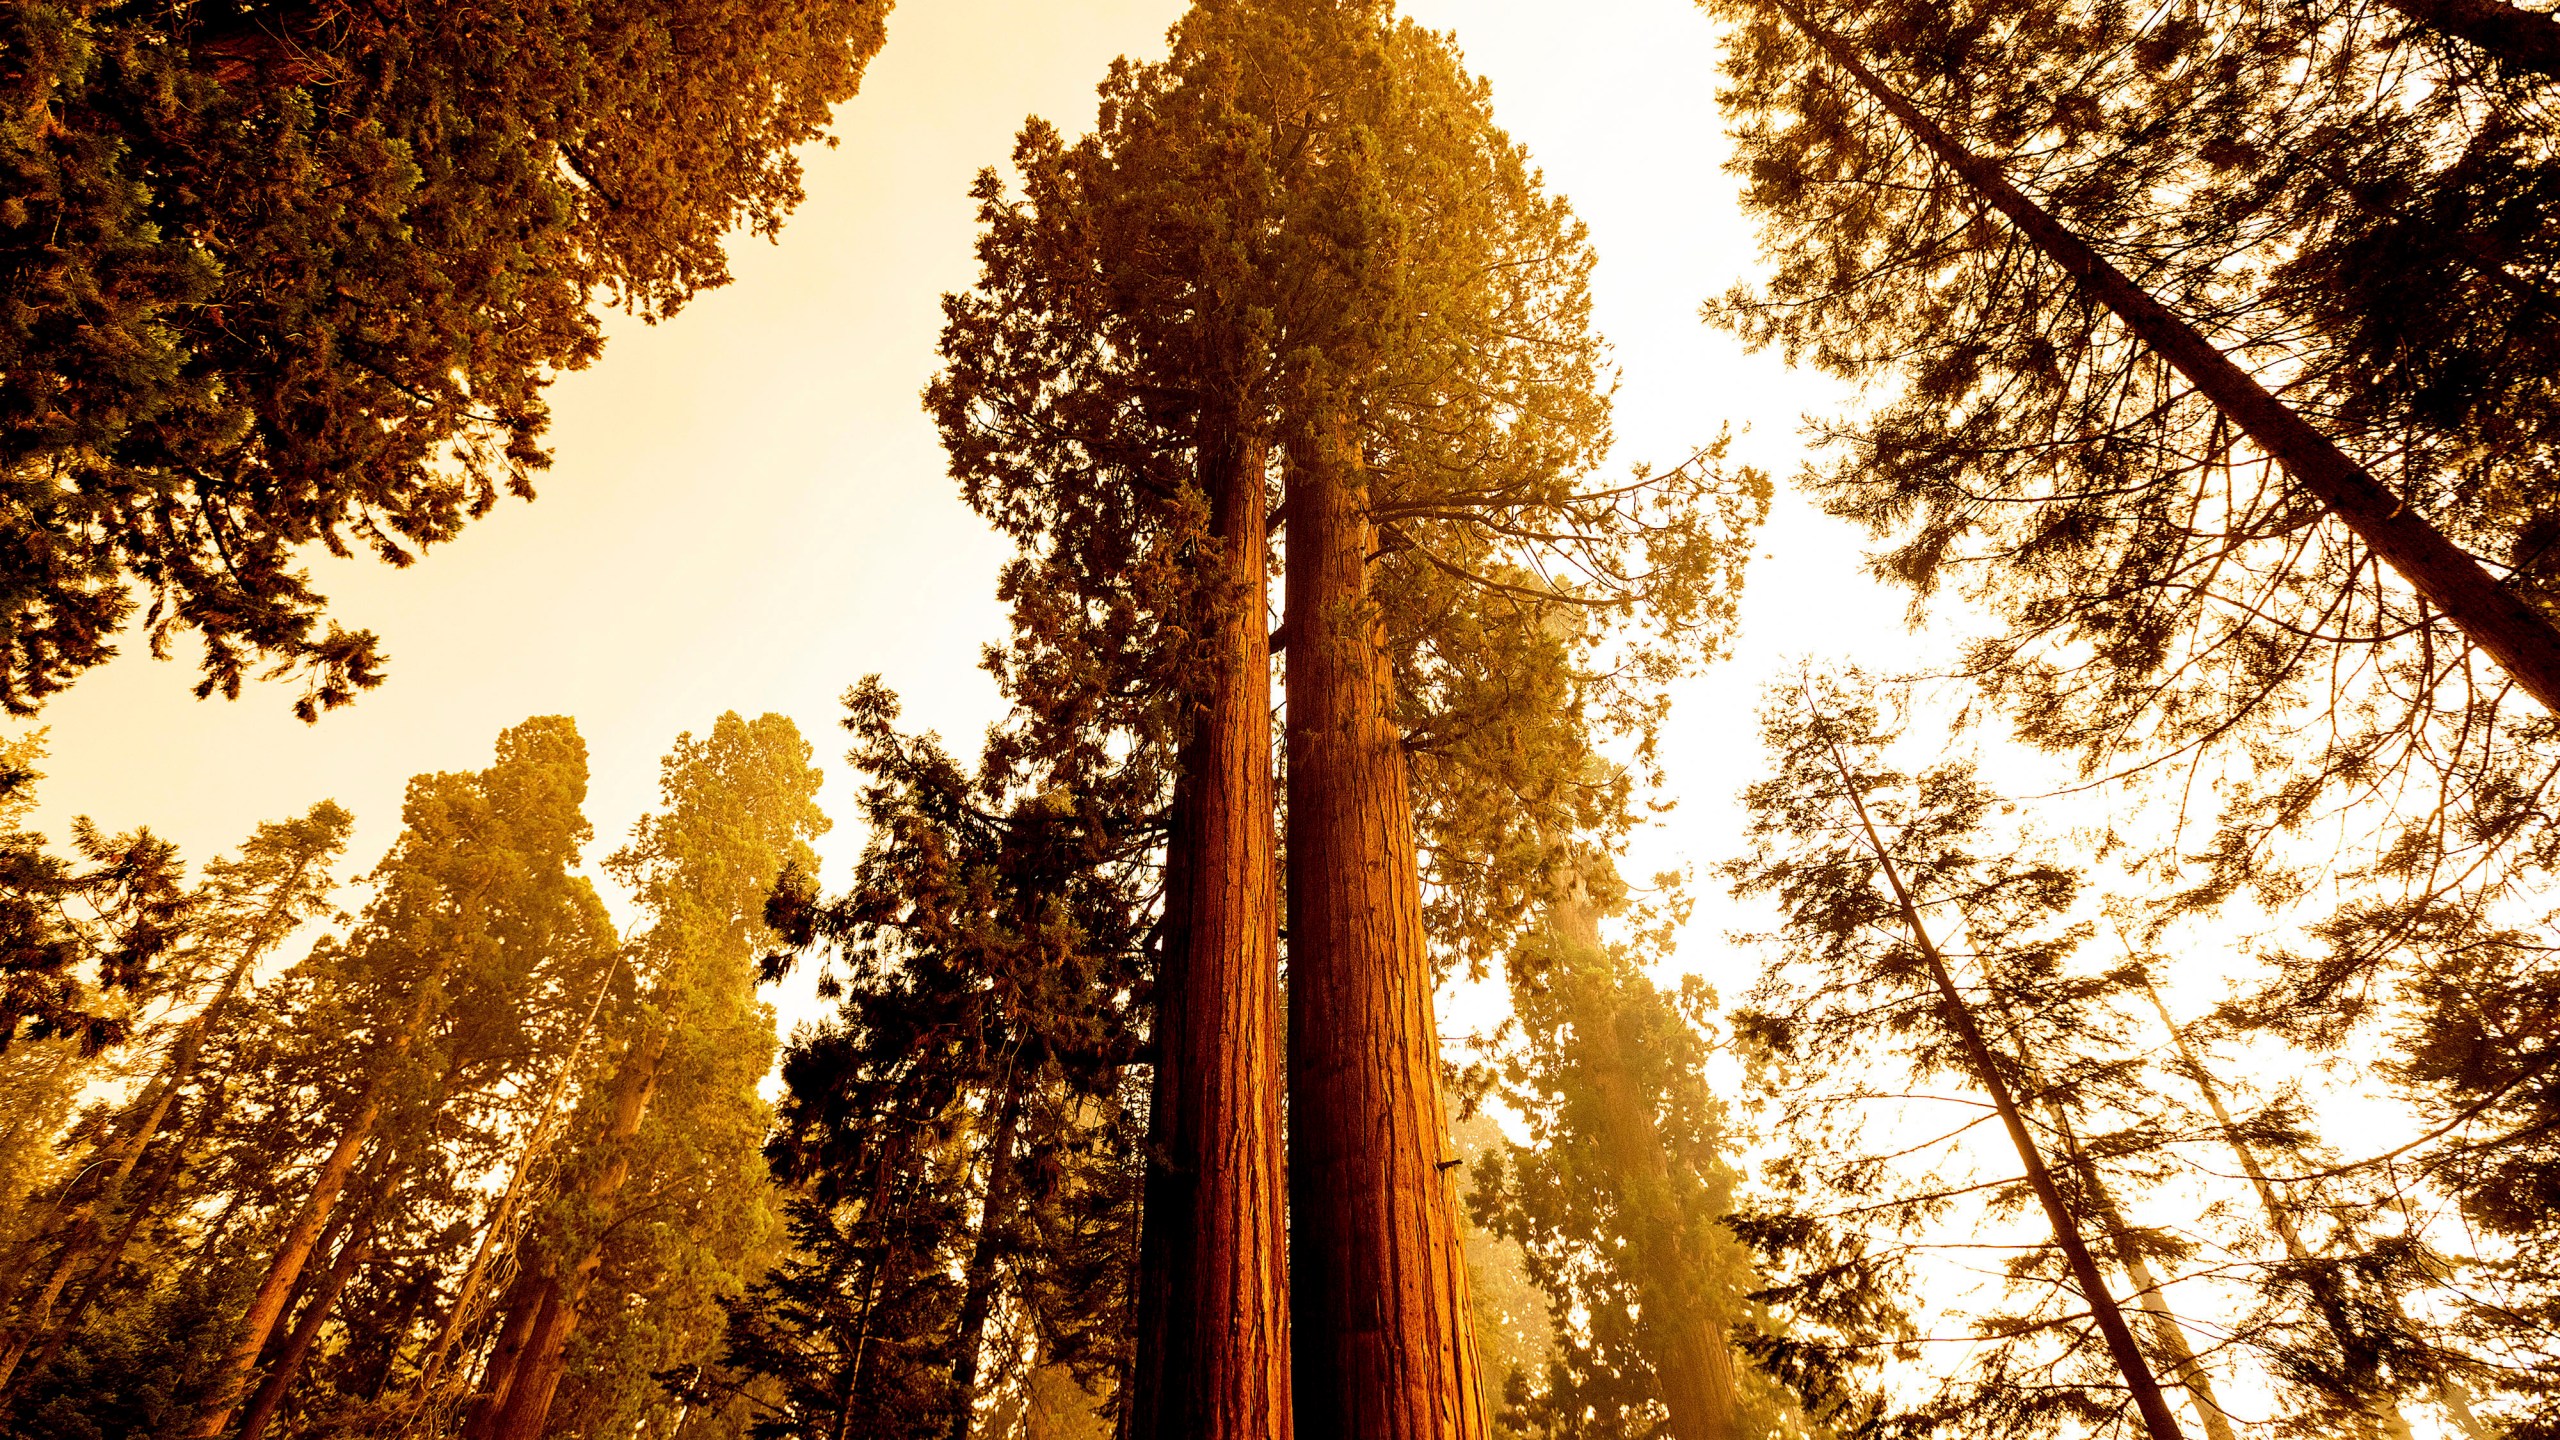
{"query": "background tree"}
{"type": "Point", "coordinates": [296, 274]}
{"type": "Point", "coordinates": [662, 1208]}
{"type": "Point", "coordinates": [1618, 1193]}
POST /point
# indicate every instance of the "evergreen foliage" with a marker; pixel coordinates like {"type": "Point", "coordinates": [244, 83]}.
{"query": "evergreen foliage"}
{"type": "Point", "coordinates": [284, 275]}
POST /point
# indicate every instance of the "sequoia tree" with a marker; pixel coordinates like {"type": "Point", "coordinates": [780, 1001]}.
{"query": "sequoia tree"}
{"type": "Point", "coordinates": [290, 274]}
{"type": "Point", "coordinates": [479, 926]}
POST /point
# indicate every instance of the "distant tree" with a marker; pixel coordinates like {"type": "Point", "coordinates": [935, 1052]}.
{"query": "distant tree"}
{"type": "Point", "coordinates": [242, 910]}
{"type": "Point", "coordinates": [79, 938]}
{"type": "Point", "coordinates": [957, 1139]}
{"type": "Point", "coordinates": [477, 959]}
{"type": "Point", "coordinates": [1618, 1193]}
{"type": "Point", "coordinates": [663, 1209]}
{"type": "Point", "coordinates": [299, 274]}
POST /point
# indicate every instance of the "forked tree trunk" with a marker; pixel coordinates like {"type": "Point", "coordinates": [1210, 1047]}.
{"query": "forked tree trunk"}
{"type": "Point", "coordinates": [2148, 1401]}
{"type": "Point", "coordinates": [563, 1293]}
{"type": "Point", "coordinates": [497, 1380]}
{"type": "Point", "coordinates": [1379, 1306]}
{"type": "Point", "coordinates": [1692, 1352]}
{"type": "Point", "coordinates": [306, 1330]}
{"type": "Point", "coordinates": [2521, 639]}
{"type": "Point", "coordinates": [1213, 1261]}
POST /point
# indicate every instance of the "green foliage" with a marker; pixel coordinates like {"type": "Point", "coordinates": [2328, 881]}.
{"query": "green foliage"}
{"type": "Point", "coordinates": [956, 1138]}
{"type": "Point", "coordinates": [294, 274]}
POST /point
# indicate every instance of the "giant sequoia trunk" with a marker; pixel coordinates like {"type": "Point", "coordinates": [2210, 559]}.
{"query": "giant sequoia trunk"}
{"type": "Point", "coordinates": [557, 1294]}
{"type": "Point", "coordinates": [1379, 1288]}
{"type": "Point", "coordinates": [1213, 1288]}
{"type": "Point", "coordinates": [1692, 1353]}
{"type": "Point", "coordinates": [2520, 638]}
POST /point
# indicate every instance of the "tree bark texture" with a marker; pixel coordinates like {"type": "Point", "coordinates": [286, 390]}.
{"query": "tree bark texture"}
{"type": "Point", "coordinates": [2144, 1386]}
{"type": "Point", "coordinates": [497, 1380]}
{"type": "Point", "coordinates": [315, 1312]}
{"type": "Point", "coordinates": [2525, 39]}
{"type": "Point", "coordinates": [2517, 636]}
{"type": "Point", "coordinates": [1692, 1352]}
{"type": "Point", "coordinates": [1213, 1284]}
{"type": "Point", "coordinates": [540, 1366]}
{"type": "Point", "coordinates": [1379, 1309]}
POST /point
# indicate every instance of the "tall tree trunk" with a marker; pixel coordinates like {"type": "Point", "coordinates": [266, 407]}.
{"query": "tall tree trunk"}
{"type": "Point", "coordinates": [1692, 1352]}
{"type": "Point", "coordinates": [315, 1312]}
{"type": "Point", "coordinates": [539, 1369]}
{"type": "Point", "coordinates": [104, 1272]}
{"type": "Point", "coordinates": [1213, 1262]}
{"type": "Point", "coordinates": [1379, 1307]}
{"type": "Point", "coordinates": [2323, 1285]}
{"type": "Point", "coordinates": [87, 1229]}
{"type": "Point", "coordinates": [524, 1303]}
{"type": "Point", "coordinates": [2168, 1337]}
{"type": "Point", "coordinates": [231, 1375]}
{"type": "Point", "coordinates": [978, 1279]}
{"type": "Point", "coordinates": [2499, 621]}
{"type": "Point", "coordinates": [2148, 1400]}
{"type": "Point", "coordinates": [2525, 39]}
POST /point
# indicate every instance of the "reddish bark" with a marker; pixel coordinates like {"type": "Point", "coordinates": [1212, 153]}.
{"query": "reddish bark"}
{"type": "Point", "coordinates": [231, 1376]}
{"type": "Point", "coordinates": [1380, 1315]}
{"type": "Point", "coordinates": [565, 1279]}
{"type": "Point", "coordinates": [1214, 1264]}
{"type": "Point", "coordinates": [306, 1330]}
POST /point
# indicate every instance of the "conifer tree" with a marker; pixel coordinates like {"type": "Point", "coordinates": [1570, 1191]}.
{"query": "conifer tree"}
{"type": "Point", "coordinates": [239, 913]}
{"type": "Point", "coordinates": [1859, 856]}
{"type": "Point", "coordinates": [952, 1138]}
{"type": "Point", "coordinates": [661, 1198]}
{"type": "Point", "coordinates": [1619, 1193]}
{"type": "Point", "coordinates": [479, 950]}
{"type": "Point", "coordinates": [299, 274]}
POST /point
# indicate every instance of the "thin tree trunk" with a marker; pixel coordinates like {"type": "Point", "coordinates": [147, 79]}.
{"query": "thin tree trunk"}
{"type": "Point", "coordinates": [315, 1312]}
{"type": "Point", "coordinates": [1691, 1349]}
{"type": "Point", "coordinates": [1213, 1266]}
{"type": "Point", "coordinates": [104, 1271]}
{"type": "Point", "coordinates": [231, 1375]}
{"type": "Point", "coordinates": [2519, 637]}
{"type": "Point", "coordinates": [2167, 1335]}
{"type": "Point", "coordinates": [2148, 1400]}
{"type": "Point", "coordinates": [540, 1368]}
{"type": "Point", "coordinates": [978, 1280]}
{"type": "Point", "coordinates": [2525, 39]}
{"type": "Point", "coordinates": [1379, 1310]}
{"type": "Point", "coordinates": [2324, 1289]}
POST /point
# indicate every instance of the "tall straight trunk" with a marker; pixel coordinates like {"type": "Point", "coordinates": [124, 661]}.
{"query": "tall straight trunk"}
{"type": "Point", "coordinates": [2323, 1285]}
{"type": "Point", "coordinates": [1692, 1351]}
{"type": "Point", "coordinates": [1379, 1308]}
{"type": "Point", "coordinates": [2144, 1387]}
{"type": "Point", "coordinates": [539, 1369]}
{"type": "Point", "coordinates": [2499, 621]}
{"type": "Point", "coordinates": [1213, 1260]}
{"type": "Point", "coordinates": [306, 1330]}
{"type": "Point", "coordinates": [2168, 1337]}
{"type": "Point", "coordinates": [231, 1375]}
{"type": "Point", "coordinates": [88, 1229]}
{"type": "Point", "coordinates": [2525, 39]}
{"type": "Point", "coordinates": [105, 1270]}
{"type": "Point", "coordinates": [978, 1278]}
{"type": "Point", "coordinates": [523, 1307]}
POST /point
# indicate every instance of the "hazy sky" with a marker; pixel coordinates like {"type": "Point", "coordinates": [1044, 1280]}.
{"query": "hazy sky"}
{"type": "Point", "coordinates": [749, 509]}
